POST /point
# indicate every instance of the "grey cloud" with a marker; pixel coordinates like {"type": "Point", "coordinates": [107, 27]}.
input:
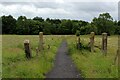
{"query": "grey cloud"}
{"type": "Point", "coordinates": [95, 6]}
{"type": "Point", "coordinates": [78, 6]}
{"type": "Point", "coordinates": [87, 10]}
{"type": "Point", "coordinates": [119, 10]}
{"type": "Point", "coordinates": [77, 10]}
{"type": "Point", "coordinates": [15, 3]}
{"type": "Point", "coordinates": [52, 5]}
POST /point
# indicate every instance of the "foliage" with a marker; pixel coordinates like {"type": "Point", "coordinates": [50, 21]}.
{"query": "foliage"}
{"type": "Point", "coordinates": [104, 23]}
{"type": "Point", "coordinates": [88, 28]}
{"type": "Point", "coordinates": [38, 19]}
{"type": "Point", "coordinates": [117, 27]}
{"type": "Point", "coordinates": [77, 33]}
{"type": "Point", "coordinates": [8, 25]}
{"type": "Point", "coordinates": [24, 26]}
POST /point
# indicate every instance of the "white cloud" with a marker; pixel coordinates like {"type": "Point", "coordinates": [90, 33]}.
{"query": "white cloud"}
{"type": "Point", "coordinates": [29, 10]}
{"type": "Point", "coordinates": [60, 1]}
{"type": "Point", "coordinates": [59, 9]}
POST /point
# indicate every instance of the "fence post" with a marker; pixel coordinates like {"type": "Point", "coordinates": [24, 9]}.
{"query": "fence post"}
{"type": "Point", "coordinates": [118, 43]}
{"type": "Point", "coordinates": [27, 49]}
{"type": "Point", "coordinates": [118, 54]}
{"type": "Point", "coordinates": [104, 43]}
{"type": "Point", "coordinates": [118, 51]}
{"type": "Point", "coordinates": [40, 41]}
{"type": "Point", "coordinates": [92, 41]}
{"type": "Point", "coordinates": [37, 51]}
{"type": "Point", "coordinates": [78, 42]}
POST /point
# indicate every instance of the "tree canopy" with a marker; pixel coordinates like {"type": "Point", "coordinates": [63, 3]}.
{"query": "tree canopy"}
{"type": "Point", "coordinates": [24, 26]}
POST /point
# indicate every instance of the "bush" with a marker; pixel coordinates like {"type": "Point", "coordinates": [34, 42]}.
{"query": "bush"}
{"type": "Point", "coordinates": [77, 33]}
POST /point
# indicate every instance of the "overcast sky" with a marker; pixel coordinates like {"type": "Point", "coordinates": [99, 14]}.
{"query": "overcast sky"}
{"type": "Point", "coordinates": [62, 9]}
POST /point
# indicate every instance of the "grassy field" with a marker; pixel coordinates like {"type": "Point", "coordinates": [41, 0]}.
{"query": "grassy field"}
{"type": "Point", "coordinates": [91, 65]}
{"type": "Point", "coordinates": [94, 65]}
{"type": "Point", "coordinates": [0, 56]}
{"type": "Point", "coordinates": [14, 63]}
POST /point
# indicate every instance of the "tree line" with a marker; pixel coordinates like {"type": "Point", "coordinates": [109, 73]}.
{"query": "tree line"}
{"type": "Point", "coordinates": [23, 26]}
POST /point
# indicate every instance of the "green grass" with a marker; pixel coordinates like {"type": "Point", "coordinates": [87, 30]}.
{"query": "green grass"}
{"type": "Point", "coordinates": [94, 65]}
{"type": "Point", "coordinates": [0, 56]}
{"type": "Point", "coordinates": [91, 65]}
{"type": "Point", "coordinates": [14, 63]}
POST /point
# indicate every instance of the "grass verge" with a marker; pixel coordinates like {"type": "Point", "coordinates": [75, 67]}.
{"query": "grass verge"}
{"type": "Point", "coordinates": [94, 65]}
{"type": "Point", "coordinates": [14, 63]}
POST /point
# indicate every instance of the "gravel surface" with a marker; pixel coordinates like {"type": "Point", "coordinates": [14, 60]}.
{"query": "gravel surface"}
{"type": "Point", "coordinates": [63, 66]}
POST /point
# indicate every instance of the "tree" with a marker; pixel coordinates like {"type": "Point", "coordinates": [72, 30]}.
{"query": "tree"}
{"type": "Point", "coordinates": [117, 28]}
{"type": "Point", "coordinates": [75, 27]}
{"type": "Point", "coordinates": [47, 28]}
{"type": "Point", "coordinates": [77, 33]}
{"type": "Point", "coordinates": [104, 23]}
{"type": "Point", "coordinates": [67, 25]}
{"type": "Point", "coordinates": [38, 19]}
{"type": "Point", "coordinates": [48, 20]}
{"type": "Point", "coordinates": [88, 28]}
{"type": "Point", "coordinates": [34, 27]}
{"type": "Point", "coordinates": [22, 25]}
{"type": "Point", "coordinates": [82, 23]}
{"type": "Point", "coordinates": [8, 25]}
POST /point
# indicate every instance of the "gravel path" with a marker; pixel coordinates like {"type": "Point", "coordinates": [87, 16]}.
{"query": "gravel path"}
{"type": "Point", "coordinates": [64, 67]}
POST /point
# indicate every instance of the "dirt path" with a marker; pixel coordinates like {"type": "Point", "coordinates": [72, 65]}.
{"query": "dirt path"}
{"type": "Point", "coordinates": [64, 68]}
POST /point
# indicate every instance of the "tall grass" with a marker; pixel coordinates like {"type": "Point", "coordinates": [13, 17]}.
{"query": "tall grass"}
{"type": "Point", "coordinates": [94, 65]}
{"type": "Point", "coordinates": [91, 65]}
{"type": "Point", "coordinates": [15, 65]}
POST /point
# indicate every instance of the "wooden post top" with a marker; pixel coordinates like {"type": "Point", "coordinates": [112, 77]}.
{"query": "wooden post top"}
{"type": "Point", "coordinates": [104, 33]}
{"type": "Point", "coordinates": [26, 41]}
{"type": "Point", "coordinates": [92, 34]}
{"type": "Point", "coordinates": [40, 32]}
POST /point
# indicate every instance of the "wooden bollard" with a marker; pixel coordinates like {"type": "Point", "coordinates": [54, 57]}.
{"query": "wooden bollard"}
{"type": "Point", "coordinates": [40, 41]}
{"type": "Point", "coordinates": [92, 41]}
{"type": "Point", "coordinates": [118, 42]}
{"type": "Point", "coordinates": [119, 51]}
{"type": "Point", "coordinates": [27, 49]}
{"type": "Point", "coordinates": [117, 56]}
{"type": "Point", "coordinates": [78, 42]}
{"type": "Point", "coordinates": [37, 51]}
{"type": "Point", "coordinates": [104, 43]}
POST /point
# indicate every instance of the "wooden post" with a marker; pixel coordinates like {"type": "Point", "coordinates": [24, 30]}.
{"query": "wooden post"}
{"type": "Point", "coordinates": [104, 43]}
{"type": "Point", "coordinates": [119, 43]}
{"type": "Point", "coordinates": [92, 41]}
{"type": "Point", "coordinates": [119, 55]}
{"type": "Point", "coordinates": [78, 42]}
{"type": "Point", "coordinates": [27, 49]}
{"type": "Point", "coordinates": [37, 51]}
{"type": "Point", "coordinates": [40, 41]}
